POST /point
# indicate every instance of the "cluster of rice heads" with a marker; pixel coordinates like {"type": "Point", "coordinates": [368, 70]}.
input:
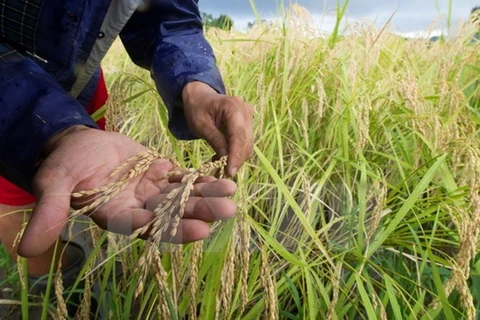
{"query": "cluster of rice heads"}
{"type": "Point", "coordinates": [361, 201]}
{"type": "Point", "coordinates": [167, 217]}
{"type": "Point", "coordinates": [362, 198]}
{"type": "Point", "coordinates": [103, 194]}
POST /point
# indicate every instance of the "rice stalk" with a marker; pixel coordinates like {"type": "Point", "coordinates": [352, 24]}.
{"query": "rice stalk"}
{"type": "Point", "coordinates": [227, 281]}
{"type": "Point", "coordinates": [160, 277]}
{"type": "Point", "coordinates": [271, 298]}
{"type": "Point", "coordinates": [62, 312]}
{"type": "Point", "coordinates": [336, 274]}
{"type": "Point", "coordinates": [323, 111]}
{"type": "Point", "coordinates": [468, 226]}
{"type": "Point", "coordinates": [21, 271]}
{"type": "Point", "coordinates": [177, 268]}
{"type": "Point", "coordinates": [85, 305]}
{"type": "Point", "coordinates": [376, 198]}
{"type": "Point", "coordinates": [244, 235]}
{"type": "Point", "coordinates": [193, 287]}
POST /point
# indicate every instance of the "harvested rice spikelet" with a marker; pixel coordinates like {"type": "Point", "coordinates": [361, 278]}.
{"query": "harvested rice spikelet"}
{"type": "Point", "coordinates": [168, 213]}
{"type": "Point", "coordinates": [167, 218]}
{"type": "Point", "coordinates": [171, 210]}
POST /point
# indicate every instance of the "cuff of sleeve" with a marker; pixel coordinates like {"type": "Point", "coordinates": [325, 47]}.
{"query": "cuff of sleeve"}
{"type": "Point", "coordinates": [172, 72]}
{"type": "Point", "coordinates": [177, 120]}
{"type": "Point", "coordinates": [34, 108]}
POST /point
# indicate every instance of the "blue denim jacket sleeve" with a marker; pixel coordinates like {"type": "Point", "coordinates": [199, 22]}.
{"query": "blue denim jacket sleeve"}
{"type": "Point", "coordinates": [33, 107]}
{"type": "Point", "coordinates": [167, 38]}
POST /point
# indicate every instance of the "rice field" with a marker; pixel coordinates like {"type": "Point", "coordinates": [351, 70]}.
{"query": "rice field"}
{"type": "Point", "coordinates": [361, 200]}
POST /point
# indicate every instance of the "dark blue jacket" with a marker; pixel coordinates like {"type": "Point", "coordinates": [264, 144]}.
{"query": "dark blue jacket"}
{"type": "Point", "coordinates": [42, 42]}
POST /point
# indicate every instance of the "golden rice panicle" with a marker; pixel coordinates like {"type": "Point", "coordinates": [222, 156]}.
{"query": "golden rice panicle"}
{"type": "Point", "coordinates": [188, 184]}
{"type": "Point", "coordinates": [177, 254]}
{"type": "Point", "coordinates": [62, 312]}
{"type": "Point", "coordinates": [244, 251]}
{"type": "Point", "coordinates": [104, 194]}
{"type": "Point", "coordinates": [210, 167]}
{"type": "Point", "coordinates": [85, 306]}
{"type": "Point", "coordinates": [160, 222]}
{"type": "Point", "coordinates": [377, 304]}
{"type": "Point", "coordinates": [271, 300]}
{"type": "Point", "coordinates": [467, 222]}
{"type": "Point", "coordinates": [160, 276]}
{"type": "Point", "coordinates": [227, 280]}
{"type": "Point", "coordinates": [195, 261]}
{"type": "Point", "coordinates": [149, 155]}
{"type": "Point", "coordinates": [21, 271]}
{"type": "Point", "coordinates": [336, 274]}
{"type": "Point", "coordinates": [242, 242]}
{"type": "Point", "coordinates": [142, 269]}
{"type": "Point", "coordinates": [376, 200]}
{"type": "Point", "coordinates": [169, 212]}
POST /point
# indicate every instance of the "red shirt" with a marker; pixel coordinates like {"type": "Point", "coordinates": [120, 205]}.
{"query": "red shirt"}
{"type": "Point", "coordinates": [12, 195]}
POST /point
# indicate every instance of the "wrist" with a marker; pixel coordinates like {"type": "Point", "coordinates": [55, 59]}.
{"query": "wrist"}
{"type": "Point", "coordinates": [196, 91]}
{"type": "Point", "coordinates": [54, 141]}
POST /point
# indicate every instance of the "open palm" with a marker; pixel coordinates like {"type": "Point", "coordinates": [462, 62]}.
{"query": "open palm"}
{"type": "Point", "coordinates": [81, 158]}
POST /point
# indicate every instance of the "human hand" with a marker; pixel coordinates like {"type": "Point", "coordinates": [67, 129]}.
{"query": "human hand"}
{"type": "Point", "coordinates": [81, 158]}
{"type": "Point", "coordinates": [224, 122]}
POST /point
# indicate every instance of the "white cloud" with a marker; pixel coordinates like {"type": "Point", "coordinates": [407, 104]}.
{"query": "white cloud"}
{"type": "Point", "coordinates": [408, 15]}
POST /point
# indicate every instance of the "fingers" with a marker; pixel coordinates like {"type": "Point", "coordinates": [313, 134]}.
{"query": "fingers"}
{"type": "Point", "coordinates": [224, 122]}
{"type": "Point", "coordinates": [210, 209]}
{"type": "Point", "coordinates": [216, 188]}
{"type": "Point", "coordinates": [126, 222]}
{"type": "Point", "coordinates": [178, 179]}
{"type": "Point", "coordinates": [192, 227]}
{"type": "Point", "coordinates": [189, 231]}
{"type": "Point", "coordinates": [215, 139]}
{"type": "Point", "coordinates": [207, 203]}
{"type": "Point", "coordinates": [123, 222]}
{"type": "Point", "coordinates": [159, 169]}
{"type": "Point", "coordinates": [239, 136]}
{"type": "Point", "coordinates": [49, 215]}
{"type": "Point", "coordinates": [205, 209]}
{"type": "Point", "coordinates": [153, 180]}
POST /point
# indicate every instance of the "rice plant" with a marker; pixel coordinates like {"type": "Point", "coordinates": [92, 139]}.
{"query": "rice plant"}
{"type": "Point", "coordinates": [361, 201]}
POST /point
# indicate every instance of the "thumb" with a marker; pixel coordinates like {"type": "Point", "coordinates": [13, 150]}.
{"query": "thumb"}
{"type": "Point", "coordinates": [49, 215]}
{"type": "Point", "coordinates": [215, 139]}
{"type": "Point", "coordinates": [237, 138]}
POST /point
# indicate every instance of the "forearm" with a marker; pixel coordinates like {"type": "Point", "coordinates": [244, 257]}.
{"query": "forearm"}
{"type": "Point", "coordinates": [33, 108]}
{"type": "Point", "coordinates": [193, 90]}
{"type": "Point", "coordinates": [169, 40]}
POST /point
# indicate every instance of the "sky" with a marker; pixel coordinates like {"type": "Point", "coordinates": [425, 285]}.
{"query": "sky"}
{"type": "Point", "coordinates": [410, 17]}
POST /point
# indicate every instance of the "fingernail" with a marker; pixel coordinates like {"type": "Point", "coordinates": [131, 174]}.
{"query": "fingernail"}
{"type": "Point", "coordinates": [234, 172]}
